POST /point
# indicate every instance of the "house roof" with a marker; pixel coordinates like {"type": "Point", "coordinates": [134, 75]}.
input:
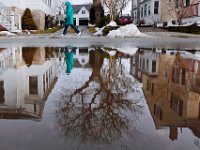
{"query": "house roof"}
{"type": "Point", "coordinates": [77, 8]}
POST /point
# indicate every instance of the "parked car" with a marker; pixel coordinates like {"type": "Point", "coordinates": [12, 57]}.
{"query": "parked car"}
{"type": "Point", "coordinates": [125, 20]}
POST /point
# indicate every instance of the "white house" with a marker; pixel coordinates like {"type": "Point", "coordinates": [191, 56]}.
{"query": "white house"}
{"type": "Point", "coordinates": [29, 87]}
{"type": "Point", "coordinates": [38, 7]}
{"type": "Point", "coordinates": [81, 14]}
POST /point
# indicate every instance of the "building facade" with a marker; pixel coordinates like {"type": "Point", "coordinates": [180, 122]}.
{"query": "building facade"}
{"type": "Point", "coordinates": [165, 12]}
{"type": "Point", "coordinates": [38, 7]}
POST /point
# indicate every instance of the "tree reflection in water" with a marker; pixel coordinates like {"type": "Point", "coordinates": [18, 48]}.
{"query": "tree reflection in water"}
{"type": "Point", "coordinates": [106, 107]}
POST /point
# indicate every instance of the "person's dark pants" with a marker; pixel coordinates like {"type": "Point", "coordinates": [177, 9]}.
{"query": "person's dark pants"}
{"type": "Point", "coordinates": [73, 26]}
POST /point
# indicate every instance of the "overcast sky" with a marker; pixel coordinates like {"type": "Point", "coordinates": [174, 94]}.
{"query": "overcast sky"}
{"type": "Point", "coordinates": [126, 11]}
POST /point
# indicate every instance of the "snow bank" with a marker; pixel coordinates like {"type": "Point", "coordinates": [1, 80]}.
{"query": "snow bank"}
{"type": "Point", "coordinates": [99, 31]}
{"type": "Point", "coordinates": [126, 31]}
{"type": "Point", "coordinates": [112, 24]}
{"type": "Point", "coordinates": [128, 50]}
{"type": "Point", "coordinates": [6, 33]}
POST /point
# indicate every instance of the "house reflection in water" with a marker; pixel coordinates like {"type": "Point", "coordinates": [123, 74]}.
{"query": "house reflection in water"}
{"type": "Point", "coordinates": [26, 79]}
{"type": "Point", "coordinates": [171, 85]}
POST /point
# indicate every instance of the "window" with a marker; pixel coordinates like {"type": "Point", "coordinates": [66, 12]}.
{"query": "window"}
{"type": "Point", "coordinates": [187, 2]}
{"type": "Point", "coordinates": [142, 12]}
{"type": "Point", "coordinates": [145, 10]}
{"type": "Point", "coordinates": [177, 5]}
{"type": "Point", "coordinates": [149, 10]}
{"type": "Point", "coordinates": [33, 85]}
{"type": "Point", "coordinates": [2, 92]}
{"type": "Point", "coordinates": [83, 12]}
{"type": "Point", "coordinates": [156, 7]}
{"type": "Point", "coordinates": [135, 16]}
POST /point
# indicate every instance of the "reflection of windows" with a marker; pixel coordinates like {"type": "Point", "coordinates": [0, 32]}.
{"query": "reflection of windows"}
{"type": "Point", "coordinates": [176, 104]}
{"type": "Point", "coordinates": [44, 83]}
{"type": "Point", "coordinates": [158, 111]}
{"type": "Point", "coordinates": [147, 66]}
{"type": "Point", "coordinates": [143, 64]}
{"type": "Point", "coordinates": [178, 76]}
{"type": "Point", "coordinates": [2, 92]}
{"type": "Point", "coordinates": [33, 85]}
{"type": "Point", "coordinates": [150, 86]}
{"type": "Point", "coordinates": [153, 66]}
{"type": "Point", "coordinates": [83, 60]}
{"type": "Point", "coordinates": [165, 75]}
{"type": "Point", "coordinates": [183, 76]}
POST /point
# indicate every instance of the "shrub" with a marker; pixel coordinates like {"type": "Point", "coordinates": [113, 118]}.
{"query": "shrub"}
{"type": "Point", "coordinates": [104, 21]}
{"type": "Point", "coordinates": [164, 24]}
{"type": "Point", "coordinates": [117, 20]}
{"type": "Point", "coordinates": [186, 29]}
{"type": "Point", "coordinates": [173, 22]}
{"type": "Point", "coordinates": [27, 21]}
{"type": "Point", "coordinates": [106, 30]}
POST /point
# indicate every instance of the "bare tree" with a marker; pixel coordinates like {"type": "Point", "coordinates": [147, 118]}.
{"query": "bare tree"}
{"type": "Point", "coordinates": [179, 9]}
{"type": "Point", "coordinates": [99, 110]}
{"type": "Point", "coordinates": [115, 7]}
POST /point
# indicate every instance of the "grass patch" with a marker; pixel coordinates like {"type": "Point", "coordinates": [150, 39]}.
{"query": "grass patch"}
{"type": "Point", "coordinates": [53, 30]}
{"type": "Point", "coordinates": [91, 29]}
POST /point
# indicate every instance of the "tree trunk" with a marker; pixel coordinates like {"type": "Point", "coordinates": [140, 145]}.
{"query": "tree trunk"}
{"type": "Point", "coordinates": [97, 7]}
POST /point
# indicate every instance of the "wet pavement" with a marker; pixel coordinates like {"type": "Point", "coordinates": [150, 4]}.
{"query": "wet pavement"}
{"type": "Point", "coordinates": [99, 98]}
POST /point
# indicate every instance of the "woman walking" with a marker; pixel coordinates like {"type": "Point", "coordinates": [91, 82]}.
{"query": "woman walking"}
{"type": "Point", "coordinates": [69, 19]}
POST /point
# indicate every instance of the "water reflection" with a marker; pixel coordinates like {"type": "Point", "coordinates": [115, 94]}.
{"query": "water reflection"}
{"type": "Point", "coordinates": [171, 86]}
{"type": "Point", "coordinates": [26, 80]}
{"type": "Point", "coordinates": [106, 106]}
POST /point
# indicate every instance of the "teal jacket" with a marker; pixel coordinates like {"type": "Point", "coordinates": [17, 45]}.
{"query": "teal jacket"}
{"type": "Point", "coordinates": [69, 18]}
{"type": "Point", "coordinates": [69, 58]}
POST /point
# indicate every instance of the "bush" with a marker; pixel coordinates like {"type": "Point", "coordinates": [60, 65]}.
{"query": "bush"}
{"type": "Point", "coordinates": [27, 21]}
{"type": "Point", "coordinates": [164, 24]}
{"type": "Point", "coordinates": [104, 21]}
{"type": "Point", "coordinates": [117, 20]}
{"type": "Point", "coordinates": [173, 22]}
{"type": "Point", "coordinates": [106, 30]}
{"type": "Point", "coordinates": [186, 29]}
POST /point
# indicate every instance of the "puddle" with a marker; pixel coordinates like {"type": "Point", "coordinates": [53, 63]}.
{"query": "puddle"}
{"type": "Point", "coordinates": [99, 98]}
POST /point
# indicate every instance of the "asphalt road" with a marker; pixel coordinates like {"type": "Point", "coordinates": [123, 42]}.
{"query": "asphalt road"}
{"type": "Point", "coordinates": [152, 40]}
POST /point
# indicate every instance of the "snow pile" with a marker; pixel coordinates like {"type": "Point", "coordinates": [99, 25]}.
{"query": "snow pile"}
{"type": "Point", "coordinates": [6, 33]}
{"type": "Point", "coordinates": [99, 31]}
{"type": "Point", "coordinates": [126, 31]}
{"type": "Point", "coordinates": [128, 50]}
{"type": "Point", "coordinates": [112, 24]}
